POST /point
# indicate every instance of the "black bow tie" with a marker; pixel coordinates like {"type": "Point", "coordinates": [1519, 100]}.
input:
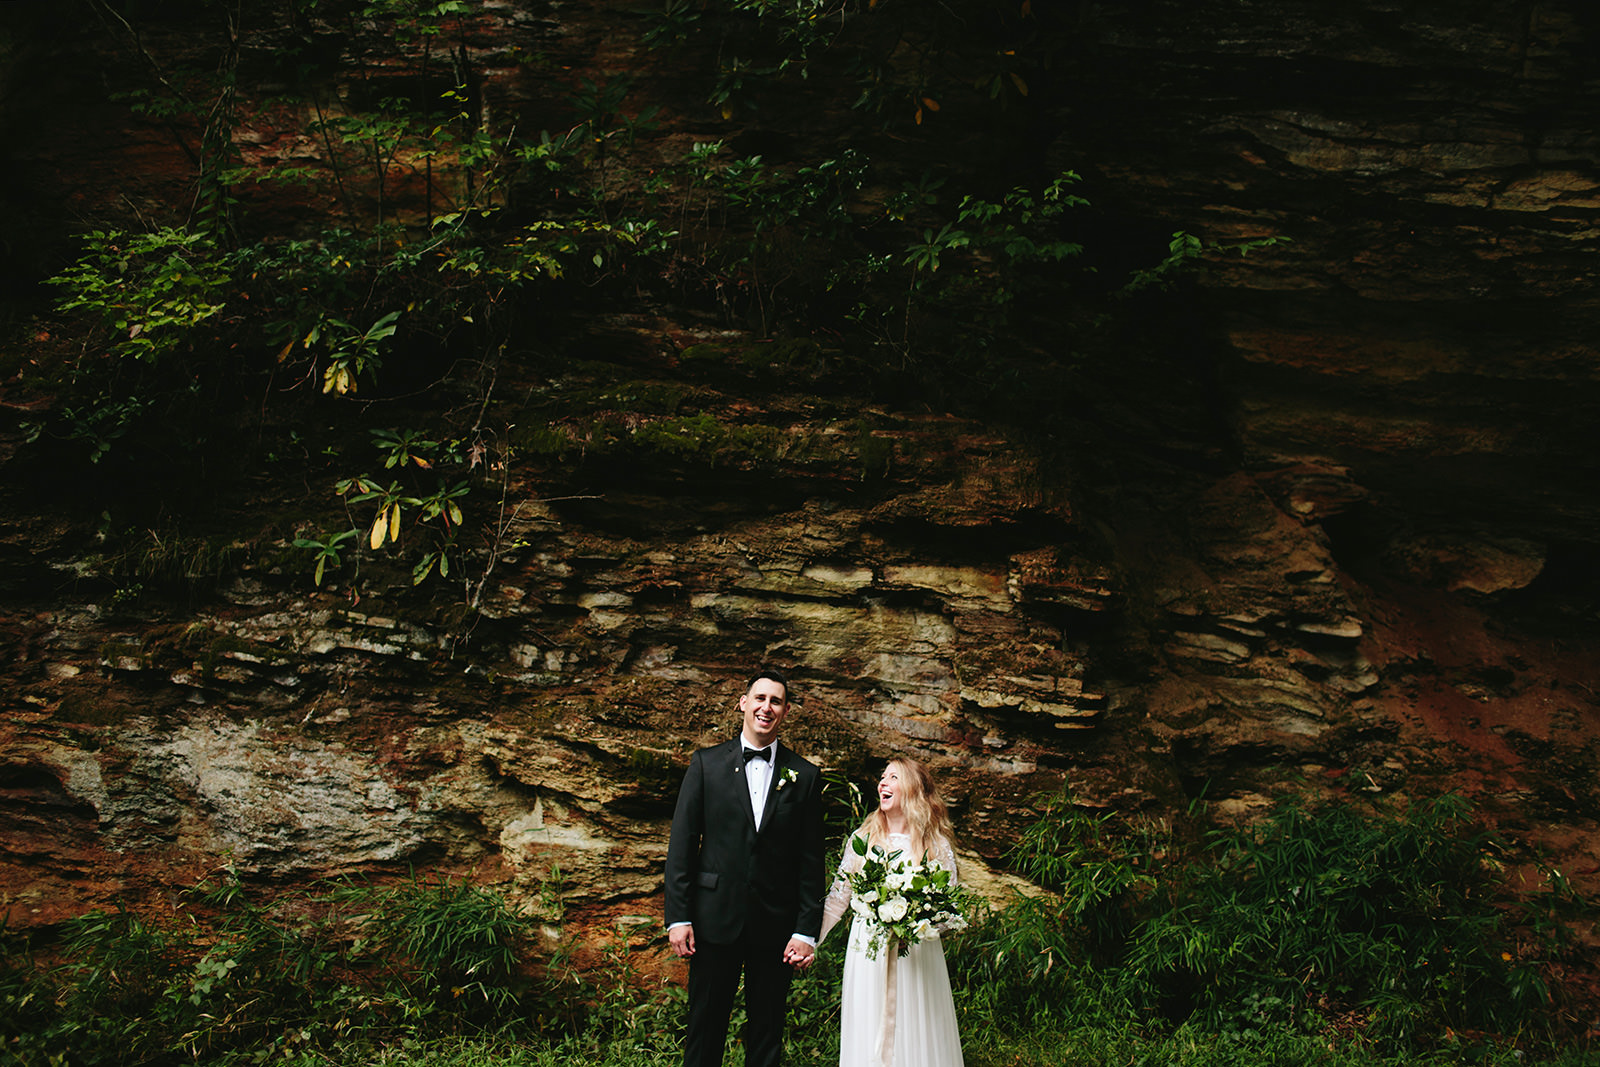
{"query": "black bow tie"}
{"type": "Point", "coordinates": [756, 753]}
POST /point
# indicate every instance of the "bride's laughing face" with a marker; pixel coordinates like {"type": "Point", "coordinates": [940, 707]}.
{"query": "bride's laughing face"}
{"type": "Point", "coordinates": [889, 790]}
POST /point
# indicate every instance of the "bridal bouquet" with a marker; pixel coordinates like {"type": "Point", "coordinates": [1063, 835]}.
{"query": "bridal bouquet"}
{"type": "Point", "coordinates": [902, 901]}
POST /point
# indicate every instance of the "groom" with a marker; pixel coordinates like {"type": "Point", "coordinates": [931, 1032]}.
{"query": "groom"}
{"type": "Point", "coordinates": [744, 878]}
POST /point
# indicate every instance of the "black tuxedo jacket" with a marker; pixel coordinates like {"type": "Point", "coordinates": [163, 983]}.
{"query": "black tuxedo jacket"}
{"type": "Point", "coordinates": [724, 876]}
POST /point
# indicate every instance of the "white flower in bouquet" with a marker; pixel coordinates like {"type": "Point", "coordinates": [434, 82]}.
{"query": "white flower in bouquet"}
{"type": "Point", "coordinates": [901, 901]}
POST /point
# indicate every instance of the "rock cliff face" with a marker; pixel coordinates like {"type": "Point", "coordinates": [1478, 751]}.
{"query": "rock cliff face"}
{"type": "Point", "coordinates": [1332, 531]}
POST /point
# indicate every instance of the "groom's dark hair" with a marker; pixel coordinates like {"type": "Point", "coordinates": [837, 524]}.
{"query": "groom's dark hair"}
{"type": "Point", "coordinates": [772, 674]}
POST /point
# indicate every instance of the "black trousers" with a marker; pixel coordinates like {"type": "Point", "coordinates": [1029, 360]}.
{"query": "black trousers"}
{"type": "Point", "coordinates": [714, 979]}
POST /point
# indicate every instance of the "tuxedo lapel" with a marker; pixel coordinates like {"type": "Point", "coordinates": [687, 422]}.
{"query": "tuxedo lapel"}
{"type": "Point", "coordinates": [741, 784]}
{"type": "Point", "coordinates": [774, 775]}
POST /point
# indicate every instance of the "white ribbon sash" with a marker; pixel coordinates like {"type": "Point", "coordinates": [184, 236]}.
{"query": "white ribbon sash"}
{"type": "Point", "coordinates": [890, 987]}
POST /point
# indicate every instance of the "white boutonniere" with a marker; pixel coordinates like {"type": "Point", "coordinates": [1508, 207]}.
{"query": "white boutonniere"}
{"type": "Point", "coordinates": [785, 776]}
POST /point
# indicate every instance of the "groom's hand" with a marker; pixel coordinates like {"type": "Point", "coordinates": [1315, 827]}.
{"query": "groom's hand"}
{"type": "Point", "coordinates": [798, 954]}
{"type": "Point", "coordinates": [681, 938]}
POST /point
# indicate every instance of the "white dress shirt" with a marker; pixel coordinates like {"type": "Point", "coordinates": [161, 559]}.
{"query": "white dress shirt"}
{"type": "Point", "coordinates": [758, 778]}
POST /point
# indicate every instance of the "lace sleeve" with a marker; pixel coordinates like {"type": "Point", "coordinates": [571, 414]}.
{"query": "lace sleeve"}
{"type": "Point", "coordinates": [945, 856]}
{"type": "Point", "coordinates": [837, 902]}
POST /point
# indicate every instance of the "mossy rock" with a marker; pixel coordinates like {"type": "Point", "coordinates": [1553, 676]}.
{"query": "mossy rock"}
{"type": "Point", "coordinates": [705, 435]}
{"type": "Point", "coordinates": [543, 440]}
{"type": "Point", "coordinates": [779, 354]}
{"type": "Point", "coordinates": [783, 353]}
{"type": "Point", "coordinates": [709, 352]}
{"type": "Point", "coordinates": [640, 395]}
{"type": "Point", "coordinates": [647, 397]}
{"type": "Point", "coordinates": [124, 656]}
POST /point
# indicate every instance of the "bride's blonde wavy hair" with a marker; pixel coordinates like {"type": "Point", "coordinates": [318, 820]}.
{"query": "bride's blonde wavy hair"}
{"type": "Point", "coordinates": [926, 815]}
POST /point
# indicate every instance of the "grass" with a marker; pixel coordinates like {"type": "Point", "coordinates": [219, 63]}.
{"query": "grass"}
{"type": "Point", "coordinates": [1194, 1047]}
{"type": "Point", "coordinates": [1052, 1044]}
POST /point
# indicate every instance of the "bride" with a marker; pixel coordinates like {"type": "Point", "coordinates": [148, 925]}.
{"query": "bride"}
{"type": "Point", "coordinates": [914, 1023]}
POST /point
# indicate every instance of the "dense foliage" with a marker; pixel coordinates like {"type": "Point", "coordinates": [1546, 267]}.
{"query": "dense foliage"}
{"type": "Point", "coordinates": [1339, 936]}
{"type": "Point", "coordinates": [1394, 924]}
{"type": "Point", "coordinates": [232, 974]}
{"type": "Point", "coordinates": [360, 290]}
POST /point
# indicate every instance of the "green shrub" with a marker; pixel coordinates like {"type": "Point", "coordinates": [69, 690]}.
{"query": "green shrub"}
{"type": "Point", "coordinates": [1396, 915]}
{"type": "Point", "coordinates": [97, 1004]}
{"type": "Point", "coordinates": [147, 291]}
{"type": "Point", "coordinates": [231, 976]}
{"type": "Point", "coordinates": [449, 941]}
{"type": "Point", "coordinates": [1395, 921]}
{"type": "Point", "coordinates": [1026, 962]}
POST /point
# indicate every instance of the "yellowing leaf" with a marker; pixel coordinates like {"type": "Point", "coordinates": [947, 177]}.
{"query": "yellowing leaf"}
{"type": "Point", "coordinates": [1022, 86]}
{"type": "Point", "coordinates": [394, 523]}
{"type": "Point", "coordinates": [930, 103]}
{"type": "Point", "coordinates": [380, 529]}
{"type": "Point", "coordinates": [337, 379]}
{"type": "Point", "coordinates": [919, 116]}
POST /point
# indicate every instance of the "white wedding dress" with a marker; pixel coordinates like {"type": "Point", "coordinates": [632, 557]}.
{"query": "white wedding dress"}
{"type": "Point", "coordinates": [924, 1027]}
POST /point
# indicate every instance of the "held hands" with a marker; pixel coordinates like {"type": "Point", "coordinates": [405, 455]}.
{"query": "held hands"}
{"type": "Point", "coordinates": [798, 954]}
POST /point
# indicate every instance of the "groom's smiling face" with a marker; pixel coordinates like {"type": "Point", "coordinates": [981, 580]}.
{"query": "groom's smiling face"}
{"type": "Point", "coordinates": [764, 707]}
